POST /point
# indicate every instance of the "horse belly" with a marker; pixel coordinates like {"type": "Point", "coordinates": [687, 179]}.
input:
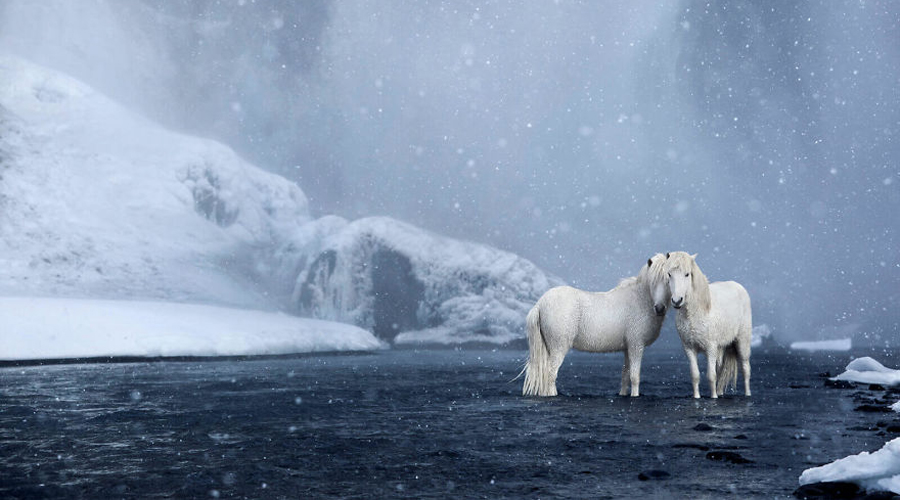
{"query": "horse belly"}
{"type": "Point", "coordinates": [607, 340]}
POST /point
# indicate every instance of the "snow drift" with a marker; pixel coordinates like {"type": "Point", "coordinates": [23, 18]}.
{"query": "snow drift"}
{"type": "Point", "coordinates": [868, 371]}
{"type": "Point", "coordinates": [879, 470]}
{"type": "Point", "coordinates": [42, 328]}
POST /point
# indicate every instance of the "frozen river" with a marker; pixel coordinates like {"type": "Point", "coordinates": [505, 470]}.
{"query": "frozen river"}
{"type": "Point", "coordinates": [421, 424]}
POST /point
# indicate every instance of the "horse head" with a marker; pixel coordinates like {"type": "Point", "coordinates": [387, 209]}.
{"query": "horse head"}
{"type": "Point", "coordinates": [686, 281]}
{"type": "Point", "coordinates": [657, 281]}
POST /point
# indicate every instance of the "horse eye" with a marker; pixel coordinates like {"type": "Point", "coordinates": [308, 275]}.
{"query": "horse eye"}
{"type": "Point", "coordinates": [687, 275]}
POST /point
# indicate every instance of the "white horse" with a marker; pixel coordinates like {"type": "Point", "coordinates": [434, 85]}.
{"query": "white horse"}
{"type": "Point", "coordinates": [712, 318]}
{"type": "Point", "coordinates": [626, 318]}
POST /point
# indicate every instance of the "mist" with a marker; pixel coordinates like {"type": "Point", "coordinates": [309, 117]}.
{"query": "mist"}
{"type": "Point", "coordinates": [584, 136]}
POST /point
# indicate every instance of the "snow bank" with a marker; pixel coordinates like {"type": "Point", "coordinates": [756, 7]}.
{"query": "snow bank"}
{"type": "Point", "coordinates": [822, 345]}
{"type": "Point", "coordinates": [41, 328]}
{"type": "Point", "coordinates": [868, 371]}
{"type": "Point", "coordinates": [879, 470]}
{"type": "Point", "coordinates": [411, 286]}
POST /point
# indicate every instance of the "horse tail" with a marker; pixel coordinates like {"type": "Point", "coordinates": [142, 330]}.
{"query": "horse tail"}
{"type": "Point", "coordinates": [537, 368]}
{"type": "Point", "coordinates": [728, 371]}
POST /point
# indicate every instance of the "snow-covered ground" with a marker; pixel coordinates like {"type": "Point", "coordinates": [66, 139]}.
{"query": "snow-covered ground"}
{"type": "Point", "coordinates": [53, 328]}
{"type": "Point", "coordinates": [879, 470]}
{"type": "Point", "coordinates": [868, 371]}
{"type": "Point", "coordinates": [822, 345]}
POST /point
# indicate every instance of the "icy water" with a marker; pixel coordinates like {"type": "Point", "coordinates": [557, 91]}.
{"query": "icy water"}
{"type": "Point", "coordinates": [444, 424]}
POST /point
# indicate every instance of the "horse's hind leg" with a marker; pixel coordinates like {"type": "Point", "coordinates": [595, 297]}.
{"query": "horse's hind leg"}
{"type": "Point", "coordinates": [711, 362]}
{"type": "Point", "coordinates": [695, 370]}
{"type": "Point", "coordinates": [626, 378]}
{"type": "Point", "coordinates": [556, 360]}
{"type": "Point", "coordinates": [743, 354]}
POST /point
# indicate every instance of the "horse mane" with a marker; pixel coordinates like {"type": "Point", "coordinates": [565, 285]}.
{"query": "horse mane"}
{"type": "Point", "coordinates": [700, 287]}
{"type": "Point", "coordinates": [657, 272]}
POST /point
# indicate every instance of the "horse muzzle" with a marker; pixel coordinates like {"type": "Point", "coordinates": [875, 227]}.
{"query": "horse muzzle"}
{"type": "Point", "coordinates": [660, 309]}
{"type": "Point", "coordinates": [677, 304]}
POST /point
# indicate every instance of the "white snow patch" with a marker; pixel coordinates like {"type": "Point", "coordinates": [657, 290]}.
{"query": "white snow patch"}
{"type": "Point", "coordinates": [759, 333]}
{"type": "Point", "coordinates": [822, 345]}
{"type": "Point", "coordinates": [868, 371]}
{"type": "Point", "coordinates": [55, 328]}
{"type": "Point", "coordinates": [896, 406]}
{"type": "Point", "coordinates": [879, 470]}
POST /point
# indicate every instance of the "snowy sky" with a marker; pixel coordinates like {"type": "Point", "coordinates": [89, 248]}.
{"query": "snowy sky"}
{"type": "Point", "coordinates": [585, 136]}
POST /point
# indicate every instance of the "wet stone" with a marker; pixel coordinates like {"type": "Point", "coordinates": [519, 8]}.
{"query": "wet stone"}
{"type": "Point", "coordinates": [840, 490]}
{"type": "Point", "coordinates": [876, 387]}
{"type": "Point", "coordinates": [867, 408]}
{"type": "Point", "coordinates": [838, 384]}
{"type": "Point", "coordinates": [741, 436]}
{"type": "Point", "coordinates": [703, 427]}
{"type": "Point", "coordinates": [654, 475]}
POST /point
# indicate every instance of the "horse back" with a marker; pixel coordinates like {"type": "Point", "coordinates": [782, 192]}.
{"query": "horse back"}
{"type": "Point", "coordinates": [732, 301]}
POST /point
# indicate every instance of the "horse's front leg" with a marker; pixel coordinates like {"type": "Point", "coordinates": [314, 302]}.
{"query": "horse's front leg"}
{"type": "Point", "coordinates": [635, 355]}
{"type": "Point", "coordinates": [626, 379]}
{"type": "Point", "coordinates": [695, 370]}
{"type": "Point", "coordinates": [711, 362]}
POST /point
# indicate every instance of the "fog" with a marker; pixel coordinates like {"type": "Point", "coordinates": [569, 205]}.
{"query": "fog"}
{"type": "Point", "coordinates": [585, 136]}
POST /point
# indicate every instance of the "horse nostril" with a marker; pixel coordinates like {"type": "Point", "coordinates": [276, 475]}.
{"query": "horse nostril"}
{"type": "Point", "coordinates": [660, 309]}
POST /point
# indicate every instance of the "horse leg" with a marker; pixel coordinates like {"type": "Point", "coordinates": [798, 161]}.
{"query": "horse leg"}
{"type": "Point", "coordinates": [743, 353]}
{"type": "Point", "coordinates": [695, 371]}
{"type": "Point", "coordinates": [634, 369]}
{"type": "Point", "coordinates": [626, 379]}
{"type": "Point", "coordinates": [556, 360]}
{"type": "Point", "coordinates": [711, 360]}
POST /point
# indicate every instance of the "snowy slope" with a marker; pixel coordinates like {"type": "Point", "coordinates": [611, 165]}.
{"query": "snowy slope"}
{"type": "Point", "coordinates": [412, 286]}
{"type": "Point", "coordinates": [72, 328]}
{"type": "Point", "coordinates": [98, 201]}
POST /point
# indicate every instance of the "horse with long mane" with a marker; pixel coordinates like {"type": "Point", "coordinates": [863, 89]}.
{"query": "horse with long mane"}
{"type": "Point", "coordinates": [712, 318]}
{"type": "Point", "coordinates": [627, 318]}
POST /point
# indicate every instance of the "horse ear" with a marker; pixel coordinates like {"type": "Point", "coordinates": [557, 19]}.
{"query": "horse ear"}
{"type": "Point", "coordinates": [694, 257]}
{"type": "Point", "coordinates": [650, 261]}
{"type": "Point", "coordinates": [667, 255]}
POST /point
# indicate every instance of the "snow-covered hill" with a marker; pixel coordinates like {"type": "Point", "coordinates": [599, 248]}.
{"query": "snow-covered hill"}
{"type": "Point", "coordinates": [97, 202]}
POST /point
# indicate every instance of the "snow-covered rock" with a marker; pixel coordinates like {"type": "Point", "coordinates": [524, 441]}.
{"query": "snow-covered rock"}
{"type": "Point", "coordinates": [868, 371]}
{"type": "Point", "coordinates": [98, 201]}
{"type": "Point", "coordinates": [879, 470]}
{"type": "Point", "coordinates": [411, 286]}
{"type": "Point", "coordinates": [822, 345]}
{"type": "Point", "coordinates": [760, 334]}
{"type": "Point", "coordinates": [45, 328]}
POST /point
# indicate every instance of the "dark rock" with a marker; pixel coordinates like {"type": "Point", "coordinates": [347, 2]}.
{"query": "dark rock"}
{"type": "Point", "coordinates": [882, 423]}
{"type": "Point", "coordinates": [831, 490]}
{"type": "Point", "coordinates": [873, 408]}
{"type": "Point", "coordinates": [728, 456]}
{"type": "Point", "coordinates": [741, 436]}
{"type": "Point", "coordinates": [840, 490]}
{"type": "Point", "coordinates": [876, 387]}
{"type": "Point", "coordinates": [656, 475]}
{"type": "Point", "coordinates": [703, 427]}
{"type": "Point", "coordinates": [868, 428]}
{"type": "Point", "coordinates": [894, 429]}
{"type": "Point", "coordinates": [795, 385]}
{"type": "Point", "coordinates": [825, 375]}
{"type": "Point", "coordinates": [695, 446]}
{"type": "Point", "coordinates": [838, 384]}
